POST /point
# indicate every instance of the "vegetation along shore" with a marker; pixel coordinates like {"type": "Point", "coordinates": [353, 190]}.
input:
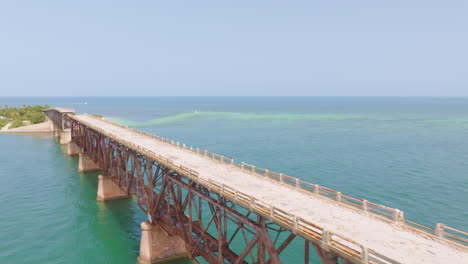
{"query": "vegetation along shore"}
{"type": "Point", "coordinates": [14, 117]}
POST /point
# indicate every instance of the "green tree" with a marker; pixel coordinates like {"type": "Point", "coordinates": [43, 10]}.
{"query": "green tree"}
{"type": "Point", "coordinates": [17, 123]}
{"type": "Point", "coordinates": [37, 117]}
{"type": "Point", "coordinates": [34, 114]}
{"type": "Point", "coordinates": [3, 122]}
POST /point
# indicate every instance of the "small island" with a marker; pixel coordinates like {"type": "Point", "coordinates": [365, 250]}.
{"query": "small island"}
{"type": "Point", "coordinates": [14, 117]}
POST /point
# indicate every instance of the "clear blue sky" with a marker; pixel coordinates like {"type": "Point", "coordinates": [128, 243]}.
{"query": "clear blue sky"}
{"type": "Point", "coordinates": [239, 47]}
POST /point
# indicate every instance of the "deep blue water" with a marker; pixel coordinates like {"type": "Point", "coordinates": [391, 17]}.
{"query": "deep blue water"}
{"type": "Point", "coordinates": [406, 153]}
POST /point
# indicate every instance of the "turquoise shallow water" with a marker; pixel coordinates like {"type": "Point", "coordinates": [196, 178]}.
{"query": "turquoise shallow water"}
{"type": "Point", "coordinates": [407, 153]}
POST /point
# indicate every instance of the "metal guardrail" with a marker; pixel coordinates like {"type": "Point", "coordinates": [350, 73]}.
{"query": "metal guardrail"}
{"type": "Point", "coordinates": [325, 238]}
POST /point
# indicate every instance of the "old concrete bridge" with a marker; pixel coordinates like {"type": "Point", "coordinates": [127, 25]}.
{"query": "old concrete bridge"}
{"type": "Point", "coordinates": [209, 208]}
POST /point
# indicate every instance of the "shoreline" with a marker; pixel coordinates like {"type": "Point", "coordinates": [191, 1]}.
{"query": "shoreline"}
{"type": "Point", "coordinates": [44, 127]}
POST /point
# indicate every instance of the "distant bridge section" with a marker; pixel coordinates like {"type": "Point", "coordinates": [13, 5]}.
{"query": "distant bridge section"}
{"type": "Point", "coordinates": [61, 122]}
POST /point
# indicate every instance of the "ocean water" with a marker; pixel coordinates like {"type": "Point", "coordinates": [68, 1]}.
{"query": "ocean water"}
{"type": "Point", "coordinates": [406, 153]}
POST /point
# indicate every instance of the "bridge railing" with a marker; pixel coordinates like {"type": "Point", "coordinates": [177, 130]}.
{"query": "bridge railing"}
{"type": "Point", "coordinates": [452, 235]}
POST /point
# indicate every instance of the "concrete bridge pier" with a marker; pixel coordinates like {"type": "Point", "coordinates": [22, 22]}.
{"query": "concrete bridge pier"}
{"type": "Point", "coordinates": [56, 132]}
{"type": "Point", "coordinates": [72, 149]}
{"type": "Point", "coordinates": [53, 128]}
{"type": "Point", "coordinates": [108, 189]}
{"type": "Point", "coordinates": [85, 164]}
{"type": "Point", "coordinates": [65, 137]}
{"type": "Point", "coordinates": [157, 246]}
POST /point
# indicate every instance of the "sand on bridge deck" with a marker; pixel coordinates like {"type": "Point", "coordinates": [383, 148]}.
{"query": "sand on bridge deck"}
{"type": "Point", "coordinates": [399, 244]}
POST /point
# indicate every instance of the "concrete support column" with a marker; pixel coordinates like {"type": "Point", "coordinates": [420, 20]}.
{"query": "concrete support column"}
{"type": "Point", "coordinates": [108, 189]}
{"type": "Point", "coordinates": [157, 246]}
{"type": "Point", "coordinates": [85, 163]}
{"type": "Point", "coordinates": [65, 137]}
{"type": "Point", "coordinates": [56, 132]}
{"type": "Point", "coordinates": [73, 149]}
{"type": "Point", "coordinates": [52, 126]}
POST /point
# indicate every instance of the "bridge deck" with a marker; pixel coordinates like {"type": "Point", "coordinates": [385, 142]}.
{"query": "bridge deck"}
{"type": "Point", "coordinates": [399, 244]}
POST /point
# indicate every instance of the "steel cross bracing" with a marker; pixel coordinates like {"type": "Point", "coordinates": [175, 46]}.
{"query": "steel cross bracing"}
{"type": "Point", "coordinates": [60, 120]}
{"type": "Point", "coordinates": [213, 227]}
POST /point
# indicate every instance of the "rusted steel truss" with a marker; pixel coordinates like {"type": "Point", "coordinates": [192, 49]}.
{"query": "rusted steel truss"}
{"type": "Point", "coordinates": [60, 120]}
{"type": "Point", "coordinates": [213, 228]}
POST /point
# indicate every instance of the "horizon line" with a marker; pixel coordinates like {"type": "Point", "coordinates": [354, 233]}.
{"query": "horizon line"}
{"type": "Point", "coordinates": [271, 96]}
